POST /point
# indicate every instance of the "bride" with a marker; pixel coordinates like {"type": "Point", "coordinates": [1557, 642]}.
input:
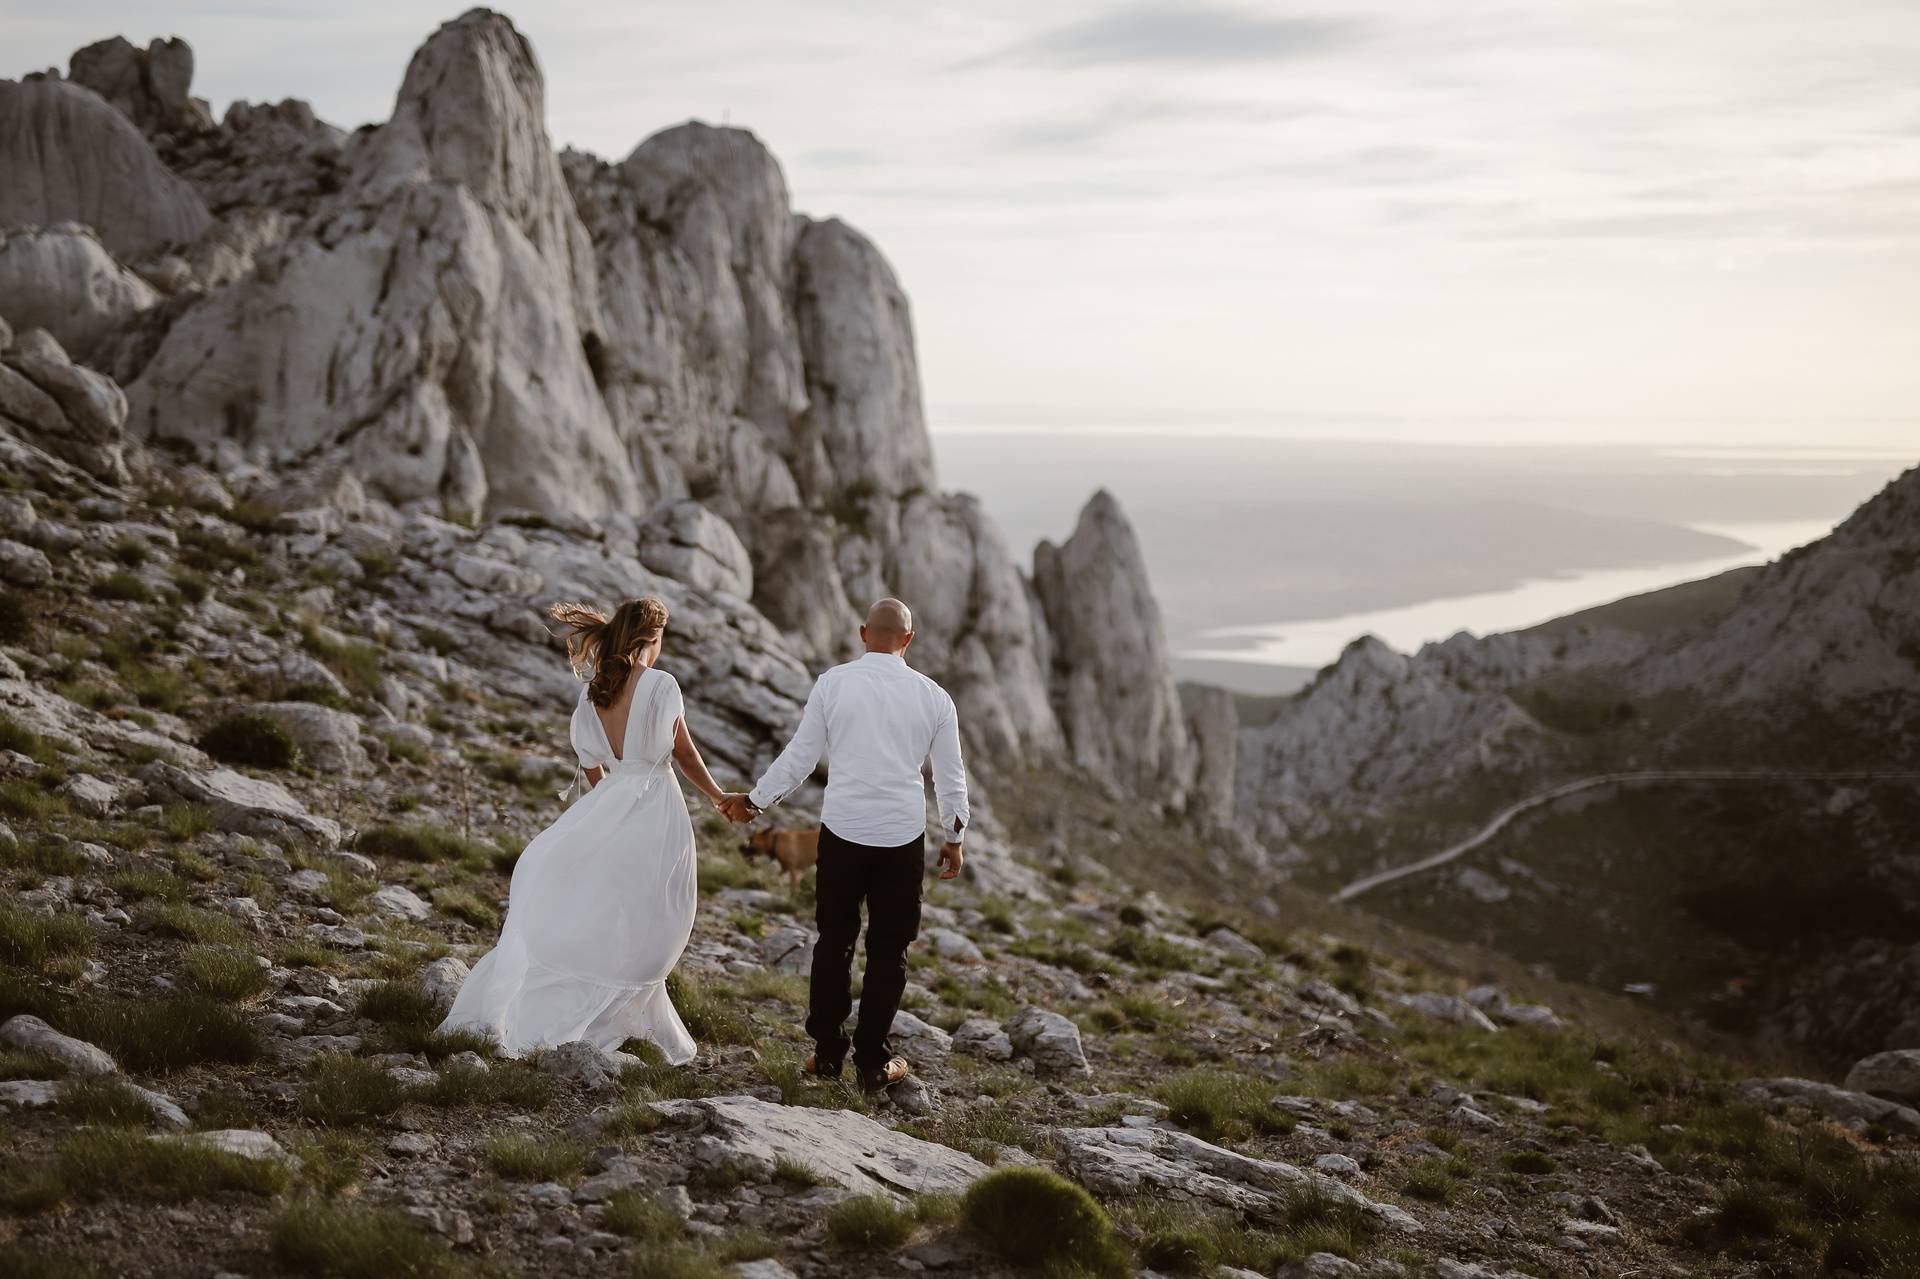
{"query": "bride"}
{"type": "Point", "coordinates": [602, 901]}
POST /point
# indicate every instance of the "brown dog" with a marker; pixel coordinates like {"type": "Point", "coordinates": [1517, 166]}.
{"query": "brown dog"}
{"type": "Point", "coordinates": [795, 850]}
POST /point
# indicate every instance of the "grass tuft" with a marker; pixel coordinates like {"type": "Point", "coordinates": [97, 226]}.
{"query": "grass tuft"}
{"type": "Point", "coordinates": [340, 1242]}
{"type": "Point", "coordinates": [165, 1034]}
{"type": "Point", "coordinates": [224, 973]}
{"type": "Point", "coordinates": [251, 741]}
{"type": "Point", "coordinates": [1032, 1216]}
{"type": "Point", "coordinates": [522, 1158]}
{"type": "Point", "coordinates": [868, 1221]}
{"type": "Point", "coordinates": [343, 1091]}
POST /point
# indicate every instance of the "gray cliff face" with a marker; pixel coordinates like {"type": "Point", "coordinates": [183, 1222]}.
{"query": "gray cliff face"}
{"type": "Point", "coordinates": [1118, 703]}
{"type": "Point", "coordinates": [439, 318]}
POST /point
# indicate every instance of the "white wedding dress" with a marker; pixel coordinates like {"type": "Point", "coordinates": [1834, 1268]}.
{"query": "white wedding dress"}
{"type": "Point", "coordinates": [602, 901]}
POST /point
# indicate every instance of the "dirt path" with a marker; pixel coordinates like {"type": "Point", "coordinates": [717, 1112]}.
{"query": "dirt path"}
{"type": "Point", "coordinates": [1511, 811]}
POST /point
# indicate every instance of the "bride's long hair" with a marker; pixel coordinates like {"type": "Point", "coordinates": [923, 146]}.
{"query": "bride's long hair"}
{"type": "Point", "coordinates": [609, 646]}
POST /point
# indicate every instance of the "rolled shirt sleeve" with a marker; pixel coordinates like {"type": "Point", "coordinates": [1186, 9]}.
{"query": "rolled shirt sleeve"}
{"type": "Point", "coordinates": [950, 776]}
{"type": "Point", "coordinates": [796, 763]}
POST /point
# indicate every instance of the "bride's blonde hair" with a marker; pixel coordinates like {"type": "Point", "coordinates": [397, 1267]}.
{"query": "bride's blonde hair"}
{"type": "Point", "coordinates": [609, 646]}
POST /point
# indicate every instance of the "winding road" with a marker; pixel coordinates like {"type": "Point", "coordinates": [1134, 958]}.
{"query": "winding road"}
{"type": "Point", "coordinates": [1511, 811]}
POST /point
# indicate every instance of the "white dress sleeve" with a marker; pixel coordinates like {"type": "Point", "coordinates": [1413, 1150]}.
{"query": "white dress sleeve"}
{"type": "Point", "coordinates": [589, 736]}
{"type": "Point", "coordinates": [668, 707]}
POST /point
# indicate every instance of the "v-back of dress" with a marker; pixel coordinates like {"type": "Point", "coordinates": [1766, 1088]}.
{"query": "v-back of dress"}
{"type": "Point", "coordinates": [602, 901]}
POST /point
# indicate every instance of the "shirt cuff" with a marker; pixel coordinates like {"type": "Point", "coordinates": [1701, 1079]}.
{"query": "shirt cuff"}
{"type": "Point", "coordinates": [753, 797]}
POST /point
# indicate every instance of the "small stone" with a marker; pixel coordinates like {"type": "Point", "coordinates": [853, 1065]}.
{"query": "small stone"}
{"type": "Point", "coordinates": [581, 1063]}
{"type": "Point", "coordinates": [1050, 1040]}
{"type": "Point", "coordinates": [983, 1038]}
{"type": "Point", "coordinates": [441, 980]}
{"type": "Point", "coordinates": [1471, 1118]}
{"type": "Point", "coordinates": [410, 1143]}
{"type": "Point", "coordinates": [954, 946]}
{"type": "Point", "coordinates": [912, 1095]}
{"type": "Point", "coordinates": [401, 902]}
{"type": "Point", "coordinates": [1343, 1166]}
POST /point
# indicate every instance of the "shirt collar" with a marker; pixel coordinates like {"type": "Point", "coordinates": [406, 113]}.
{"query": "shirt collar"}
{"type": "Point", "coordinates": [895, 658]}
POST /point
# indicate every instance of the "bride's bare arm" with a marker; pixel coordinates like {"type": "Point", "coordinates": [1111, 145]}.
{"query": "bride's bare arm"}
{"type": "Point", "coordinates": [593, 775]}
{"type": "Point", "coordinates": [687, 755]}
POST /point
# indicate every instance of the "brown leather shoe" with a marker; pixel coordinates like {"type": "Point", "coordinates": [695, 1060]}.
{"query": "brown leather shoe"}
{"type": "Point", "coordinates": [826, 1070]}
{"type": "Point", "coordinates": [893, 1072]}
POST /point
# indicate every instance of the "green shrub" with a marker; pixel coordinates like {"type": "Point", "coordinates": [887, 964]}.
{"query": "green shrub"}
{"type": "Point", "coordinates": [423, 844]}
{"type": "Point", "coordinates": [105, 1100]}
{"type": "Point", "coordinates": [343, 1091]}
{"type": "Point", "coordinates": [1032, 1216]}
{"type": "Point", "coordinates": [16, 623]}
{"type": "Point", "coordinates": [1150, 952]}
{"type": "Point", "coordinates": [128, 1163]}
{"type": "Point", "coordinates": [122, 585]}
{"type": "Point", "coordinates": [1432, 1180]}
{"type": "Point", "coordinates": [224, 972]}
{"type": "Point", "coordinates": [157, 1035]}
{"type": "Point", "coordinates": [868, 1221]}
{"type": "Point", "coordinates": [188, 923]}
{"type": "Point", "coordinates": [1222, 1104]}
{"type": "Point", "coordinates": [641, 1216]}
{"type": "Point", "coordinates": [1532, 1163]}
{"type": "Point", "coordinates": [523, 1158]}
{"type": "Point", "coordinates": [252, 741]}
{"type": "Point", "coordinates": [146, 881]}
{"type": "Point", "coordinates": [339, 1242]}
{"type": "Point", "coordinates": [28, 940]}
{"type": "Point", "coordinates": [516, 1086]}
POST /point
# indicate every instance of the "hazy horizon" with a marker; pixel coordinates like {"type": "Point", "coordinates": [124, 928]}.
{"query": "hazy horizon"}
{"type": "Point", "coordinates": [1620, 215]}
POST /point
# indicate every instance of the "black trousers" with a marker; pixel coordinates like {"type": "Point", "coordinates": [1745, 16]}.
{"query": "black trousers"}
{"type": "Point", "coordinates": [888, 881]}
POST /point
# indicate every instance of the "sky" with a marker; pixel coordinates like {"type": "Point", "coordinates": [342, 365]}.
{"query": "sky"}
{"type": "Point", "coordinates": [1474, 221]}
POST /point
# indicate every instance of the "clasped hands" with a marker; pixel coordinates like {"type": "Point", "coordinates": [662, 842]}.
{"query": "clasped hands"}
{"type": "Point", "coordinates": [735, 807]}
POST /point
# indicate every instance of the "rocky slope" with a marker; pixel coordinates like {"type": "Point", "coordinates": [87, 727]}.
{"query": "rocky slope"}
{"type": "Point", "coordinates": [1813, 670]}
{"type": "Point", "coordinates": [248, 853]}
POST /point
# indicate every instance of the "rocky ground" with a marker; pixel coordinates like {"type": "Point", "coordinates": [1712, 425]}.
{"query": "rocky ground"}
{"type": "Point", "coordinates": [264, 779]}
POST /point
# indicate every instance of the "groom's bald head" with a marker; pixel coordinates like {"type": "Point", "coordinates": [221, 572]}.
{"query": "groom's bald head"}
{"type": "Point", "coordinates": [889, 627]}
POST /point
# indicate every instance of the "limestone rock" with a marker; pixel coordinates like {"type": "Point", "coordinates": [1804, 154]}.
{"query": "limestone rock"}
{"type": "Point", "coordinates": [29, 1034]}
{"type": "Point", "coordinates": [246, 805]}
{"type": "Point", "coordinates": [249, 1143]}
{"type": "Point", "coordinates": [23, 565]}
{"type": "Point", "coordinates": [840, 1147]}
{"type": "Point", "coordinates": [72, 411]}
{"type": "Point", "coordinates": [328, 739]}
{"type": "Point", "coordinates": [149, 86]}
{"type": "Point", "coordinates": [400, 901]}
{"type": "Point", "coordinates": [1836, 1103]}
{"type": "Point", "coordinates": [436, 324]}
{"type": "Point", "coordinates": [1451, 1009]}
{"type": "Point", "coordinates": [1213, 719]}
{"type": "Point", "coordinates": [1893, 1075]}
{"type": "Point", "coordinates": [981, 1037]}
{"type": "Point", "coordinates": [687, 542]}
{"type": "Point", "coordinates": [862, 429]}
{"type": "Point", "coordinates": [28, 1094]}
{"type": "Point", "coordinates": [441, 980]}
{"type": "Point", "coordinates": [952, 945]}
{"type": "Point", "coordinates": [788, 949]}
{"type": "Point", "coordinates": [91, 795]}
{"type": "Point", "coordinates": [1121, 711]}
{"type": "Point", "coordinates": [70, 157]}
{"type": "Point", "coordinates": [1050, 1039]}
{"type": "Point", "coordinates": [582, 1063]}
{"type": "Point", "coordinates": [63, 280]}
{"type": "Point", "coordinates": [1157, 1161]}
{"type": "Point", "coordinates": [921, 1043]}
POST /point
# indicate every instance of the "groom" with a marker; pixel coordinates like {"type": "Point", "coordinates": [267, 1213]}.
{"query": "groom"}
{"type": "Point", "coordinates": [877, 720]}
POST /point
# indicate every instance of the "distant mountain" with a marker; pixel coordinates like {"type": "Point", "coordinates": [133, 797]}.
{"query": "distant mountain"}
{"type": "Point", "coordinates": [1806, 665]}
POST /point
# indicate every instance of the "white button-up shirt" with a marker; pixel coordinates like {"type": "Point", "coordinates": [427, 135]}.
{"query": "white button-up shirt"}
{"type": "Point", "coordinates": [876, 720]}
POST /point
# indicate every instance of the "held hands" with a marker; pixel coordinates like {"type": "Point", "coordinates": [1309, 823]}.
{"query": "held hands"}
{"type": "Point", "coordinates": [734, 807]}
{"type": "Point", "coordinates": [950, 861]}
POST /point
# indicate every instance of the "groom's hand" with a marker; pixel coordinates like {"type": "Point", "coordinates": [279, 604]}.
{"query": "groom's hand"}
{"type": "Point", "coordinates": [951, 860]}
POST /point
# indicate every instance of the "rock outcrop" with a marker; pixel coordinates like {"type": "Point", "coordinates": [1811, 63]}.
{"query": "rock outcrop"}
{"type": "Point", "coordinates": [71, 157]}
{"type": "Point", "coordinates": [150, 86]}
{"type": "Point", "coordinates": [63, 280]}
{"type": "Point", "coordinates": [1117, 699]}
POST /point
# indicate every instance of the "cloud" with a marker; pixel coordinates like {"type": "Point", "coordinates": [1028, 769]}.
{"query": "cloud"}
{"type": "Point", "coordinates": [1055, 130]}
{"type": "Point", "coordinates": [1188, 35]}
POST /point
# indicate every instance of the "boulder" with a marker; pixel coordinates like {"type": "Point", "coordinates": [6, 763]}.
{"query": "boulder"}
{"type": "Point", "coordinates": [952, 945]}
{"type": "Point", "coordinates": [687, 542]}
{"type": "Point", "coordinates": [31, 1035]}
{"type": "Point", "coordinates": [441, 980]}
{"type": "Point", "coordinates": [1213, 722]}
{"type": "Point", "coordinates": [71, 411]}
{"type": "Point", "coordinates": [400, 901]}
{"type": "Point", "coordinates": [1051, 1040]}
{"type": "Point", "coordinates": [983, 1038]}
{"type": "Point", "coordinates": [63, 280]}
{"type": "Point", "coordinates": [922, 1044]}
{"type": "Point", "coordinates": [1164, 1163]}
{"type": "Point", "coordinates": [150, 86]}
{"type": "Point", "coordinates": [248, 1143]}
{"type": "Point", "coordinates": [582, 1063]}
{"type": "Point", "coordinates": [70, 157]}
{"type": "Point", "coordinates": [244, 805]}
{"type": "Point", "coordinates": [1894, 1075]}
{"type": "Point", "coordinates": [328, 739]}
{"type": "Point", "coordinates": [839, 1147]}
{"type": "Point", "coordinates": [1857, 1109]}
{"type": "Point", "coordinates": [1121, 711]}
{"type": "Point", "coordinates": [23, 565]}
{"type": "Point", "coordinates": [1451, 1009]}
{"type": "Point", "coordinates": [788, 949]}
{"type": "Point", "coordinates": [91, 795]}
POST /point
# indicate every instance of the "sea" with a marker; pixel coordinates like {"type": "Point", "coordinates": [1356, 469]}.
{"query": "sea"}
{"type": "Point", "coordinates": [1269, 555]}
